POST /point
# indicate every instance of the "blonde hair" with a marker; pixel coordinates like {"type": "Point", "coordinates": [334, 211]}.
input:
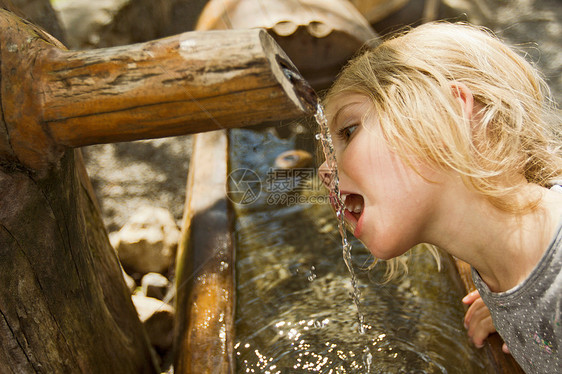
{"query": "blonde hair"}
{"type": "Point", "coordinates": [409, 79]}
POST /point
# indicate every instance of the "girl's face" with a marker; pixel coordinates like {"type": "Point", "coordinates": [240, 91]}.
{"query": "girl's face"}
{"type": "Point", "coordinates": [390, 207]}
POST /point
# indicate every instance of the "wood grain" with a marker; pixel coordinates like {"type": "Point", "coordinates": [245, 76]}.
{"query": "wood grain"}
{"type": "Point", "coordinates": [53, 99]}
{"type": "Point", "coordinates": [205, 265]}
{"type": "Point", "coordinates": [63, 302]}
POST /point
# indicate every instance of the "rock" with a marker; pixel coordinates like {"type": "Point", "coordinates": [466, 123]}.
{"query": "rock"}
{"type": "Point", "coordinates": [293, 159]}
{"type": "Point", "coordinates": [534, 26]}
{"type": "Point", "coordinates": [158, 320]}
{"type": "Point", "coordinates": [129, 281]}
{"type": "Point", "coordinates": [148, 241]}
{"type": "Point", "coordinates": [105, 23]}
{"type": "Point", "coordinates": [41, 13]}
{"type": "Point", "coordinates": [155, 285]}
{"type": "Point", "coordinates": [85, 20]}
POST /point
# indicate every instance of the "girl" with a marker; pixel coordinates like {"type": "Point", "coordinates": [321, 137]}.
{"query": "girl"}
{"type": "Point", "coordinates": [440, 138]}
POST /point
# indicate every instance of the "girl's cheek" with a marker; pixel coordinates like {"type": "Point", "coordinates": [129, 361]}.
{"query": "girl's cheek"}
{"type": "Point", "coordinates": [345, 157]}
{"type": "Point", "coordinates": [351, 165]}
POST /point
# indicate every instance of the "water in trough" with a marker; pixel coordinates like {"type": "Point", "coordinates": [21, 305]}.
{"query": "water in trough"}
{"type": "Point", "coordinates": [294, 312]}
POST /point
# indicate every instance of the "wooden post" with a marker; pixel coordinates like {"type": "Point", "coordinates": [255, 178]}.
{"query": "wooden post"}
{"type": "Point", "coordinates": [64, 307]}
{"type": "Point", "coordinates": [503, 363]}
{"type": "Point", "coordinates": [63, 302]}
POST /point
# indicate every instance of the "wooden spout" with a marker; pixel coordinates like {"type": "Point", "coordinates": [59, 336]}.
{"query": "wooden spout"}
{"type": "Point", "coordinates": [193, 82]}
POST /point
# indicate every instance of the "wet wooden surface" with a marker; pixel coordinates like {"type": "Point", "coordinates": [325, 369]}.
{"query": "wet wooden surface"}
{"type": "Point", "coordinates": [205, 301]}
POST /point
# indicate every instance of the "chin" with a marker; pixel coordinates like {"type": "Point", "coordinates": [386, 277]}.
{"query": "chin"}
{"type": "Point", "coordinates": [388, 254]}
{"type": "Point", "coordinates": [379, 254]}
{"type": "Point", "coordinates": [384, 257]}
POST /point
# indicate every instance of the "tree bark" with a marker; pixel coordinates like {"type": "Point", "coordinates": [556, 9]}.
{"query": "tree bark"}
{"type": "Point", "coordinates": [193, 82]}
{"type": "Point", "coordinates": [64, 307]}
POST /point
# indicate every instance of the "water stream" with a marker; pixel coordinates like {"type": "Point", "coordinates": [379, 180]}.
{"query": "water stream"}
{"type": "Point", "coordinates": [293, 310]}
{"type": "Point", "coordinates": [334, 183]}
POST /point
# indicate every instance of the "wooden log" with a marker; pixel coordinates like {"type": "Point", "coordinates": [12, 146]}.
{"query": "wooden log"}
{"type": "Point", "coordinates": [192, 82]}
{"type": "Point", "coordinates": [63, 301]}
{"type": "Point", "coordinates": [376, 10]}
{"type": "Point", "coordinates": [502, 363]}
{"type": "Point", "coordinates": [189, 83]}
{"type": "Point", "coordinates": [64, 307]}
{"type": "Point", "coordinates": [204, 336]}
{"type": "Point", "coordinates": [318, 35]}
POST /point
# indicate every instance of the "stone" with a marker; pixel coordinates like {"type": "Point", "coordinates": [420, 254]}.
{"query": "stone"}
{"type": "Point", "coordinates": [104, 23]}
{"type": "Point", "coordinates": [158, 320]}
{"type": "Point", "coordinates": [155, 285]}
{"type": "Point", "coordinates": [148, 241]}
{"type": "Point", "coordinates": [129, 281]}
{"type": "Point", "coordinates": [41, 13]}
{"type": "Point", "coordinates": [293, 159]}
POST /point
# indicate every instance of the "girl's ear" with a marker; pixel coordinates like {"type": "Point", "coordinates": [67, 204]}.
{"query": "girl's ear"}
{"type": "Point", "coordinates": [464, 97]}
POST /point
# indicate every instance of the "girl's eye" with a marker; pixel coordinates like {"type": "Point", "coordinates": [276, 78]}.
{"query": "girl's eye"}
{"type": "Point", "coordinates": [345, 133]}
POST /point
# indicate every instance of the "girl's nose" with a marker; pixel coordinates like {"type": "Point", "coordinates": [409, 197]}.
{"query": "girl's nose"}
{"type": "Point", "coordinates": [325, 174]}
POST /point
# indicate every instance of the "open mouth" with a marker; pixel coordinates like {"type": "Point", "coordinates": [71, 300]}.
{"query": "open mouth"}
{"type": "Point", "coordinates": [353, 208]}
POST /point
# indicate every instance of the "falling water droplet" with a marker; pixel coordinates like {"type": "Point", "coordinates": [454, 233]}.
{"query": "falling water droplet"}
{"type": "Point", "coordinates": [311, 275]}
